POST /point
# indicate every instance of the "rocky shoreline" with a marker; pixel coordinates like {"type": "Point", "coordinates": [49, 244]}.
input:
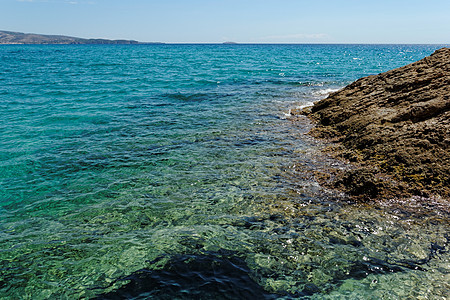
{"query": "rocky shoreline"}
{"type": "Point", "coordinates": [394, 128]}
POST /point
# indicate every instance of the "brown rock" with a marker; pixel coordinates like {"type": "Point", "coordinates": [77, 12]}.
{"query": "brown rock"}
{"type": "Point", "coordinates": [399, 123]}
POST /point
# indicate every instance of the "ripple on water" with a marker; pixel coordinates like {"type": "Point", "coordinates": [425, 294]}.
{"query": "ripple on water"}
{"type": "Point", "coordinates": [156, 172]}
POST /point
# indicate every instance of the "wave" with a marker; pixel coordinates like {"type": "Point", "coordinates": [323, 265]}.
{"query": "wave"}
{"type": "Point", "coordinates": [291, 82]}
{"type": "Point", "coordinates": [325, 92]}
{"type": "Point", "coordinates": [307, 104]}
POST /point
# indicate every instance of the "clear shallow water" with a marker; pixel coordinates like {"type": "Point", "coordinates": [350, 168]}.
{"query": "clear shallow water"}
{"type": "Point", "coordinates": [174, 171]}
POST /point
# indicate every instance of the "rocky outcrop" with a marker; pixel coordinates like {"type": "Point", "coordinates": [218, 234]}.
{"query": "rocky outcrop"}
{"type": "Point", "coordinates": [395, 127]}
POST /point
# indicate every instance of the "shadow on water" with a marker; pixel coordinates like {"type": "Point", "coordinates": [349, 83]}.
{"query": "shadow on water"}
{"type": "Point", "coordinates": [225, 275]}
{"type": "Point", "coordinates": [192, 277]}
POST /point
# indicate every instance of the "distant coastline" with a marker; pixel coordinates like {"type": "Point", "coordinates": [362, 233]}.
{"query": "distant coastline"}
{"type": "Point", "coordinates": [19, 38]}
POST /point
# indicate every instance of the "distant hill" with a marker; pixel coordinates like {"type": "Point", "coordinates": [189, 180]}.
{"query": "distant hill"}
{"type": "Point", "coordinates": [9, 37]}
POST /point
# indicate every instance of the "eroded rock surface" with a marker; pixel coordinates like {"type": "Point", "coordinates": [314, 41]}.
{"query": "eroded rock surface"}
{"type": "Point", "coordinates": [396, 127]}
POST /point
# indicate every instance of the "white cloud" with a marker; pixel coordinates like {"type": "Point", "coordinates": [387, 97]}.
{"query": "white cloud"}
{"type": "Point", "coordinates": [296, 37]}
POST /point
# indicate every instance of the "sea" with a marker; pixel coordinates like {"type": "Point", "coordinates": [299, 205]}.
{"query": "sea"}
{"type": "Point", "coordinates": [179, 172]}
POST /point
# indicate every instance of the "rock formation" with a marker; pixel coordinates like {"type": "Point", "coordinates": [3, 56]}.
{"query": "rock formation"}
{"type": "Point", "coordinates": [395, 127]}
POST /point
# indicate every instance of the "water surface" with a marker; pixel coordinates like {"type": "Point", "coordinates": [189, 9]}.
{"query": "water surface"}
{"type": "Point", "coordinates": [175, 171]}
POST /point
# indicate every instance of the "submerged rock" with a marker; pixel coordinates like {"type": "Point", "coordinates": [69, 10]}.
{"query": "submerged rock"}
{"type": "Point", "coordinates": [396, 127]}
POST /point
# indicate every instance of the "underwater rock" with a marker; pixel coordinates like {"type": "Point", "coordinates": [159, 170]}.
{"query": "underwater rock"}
{"type": "Point", "coordinates": [192, 277]}
{"type": "Point", "coordinates": [397, 125]}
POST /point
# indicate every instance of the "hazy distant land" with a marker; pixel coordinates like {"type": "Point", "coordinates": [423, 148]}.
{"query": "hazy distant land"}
{"type": "Point", "coordinates": [9, 37]}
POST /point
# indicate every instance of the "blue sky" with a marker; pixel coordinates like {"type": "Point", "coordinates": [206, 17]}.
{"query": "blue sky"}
{"type": "Point", "coordinates": [244, 21]}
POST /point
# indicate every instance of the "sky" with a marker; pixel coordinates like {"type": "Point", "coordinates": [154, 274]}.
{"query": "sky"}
{"type": "Point", "coordinates": [242, 21]}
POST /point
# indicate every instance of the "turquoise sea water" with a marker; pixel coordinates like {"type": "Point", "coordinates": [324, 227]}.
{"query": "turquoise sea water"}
{"type": "Point", "coordinates": [176, 172]}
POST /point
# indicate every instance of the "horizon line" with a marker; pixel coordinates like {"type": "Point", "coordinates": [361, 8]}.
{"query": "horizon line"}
{"type": "Point", "coordinates": [233, 43]}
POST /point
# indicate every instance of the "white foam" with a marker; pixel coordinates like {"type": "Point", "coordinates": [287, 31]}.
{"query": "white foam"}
{"type": "Point", "coordinates": [286, 116]}
{"type": "Point", "coordinates": [307, 104]}
{"type": "Point", "coordinates": [325, 92]}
